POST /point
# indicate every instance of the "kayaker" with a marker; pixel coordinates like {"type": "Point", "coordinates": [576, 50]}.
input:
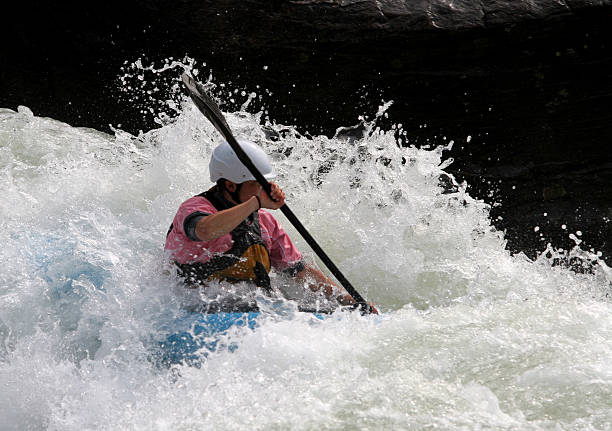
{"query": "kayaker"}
{"type": "Point", "coordinates": [225, 233]}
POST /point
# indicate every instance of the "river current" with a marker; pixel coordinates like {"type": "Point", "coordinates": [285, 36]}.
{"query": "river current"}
{"type": "Point", "coordinates": [471, 336]}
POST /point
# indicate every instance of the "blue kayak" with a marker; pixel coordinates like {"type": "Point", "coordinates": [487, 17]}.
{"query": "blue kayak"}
{"type": "Point", "coordinates": [195, 335]}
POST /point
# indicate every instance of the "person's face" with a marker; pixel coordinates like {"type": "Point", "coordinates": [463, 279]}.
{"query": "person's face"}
{"type": "Point", "coordinates": [248, 189]}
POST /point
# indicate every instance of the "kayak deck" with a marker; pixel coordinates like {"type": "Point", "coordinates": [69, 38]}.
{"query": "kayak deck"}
{"type": "Point", "coordinates": [195, 335]}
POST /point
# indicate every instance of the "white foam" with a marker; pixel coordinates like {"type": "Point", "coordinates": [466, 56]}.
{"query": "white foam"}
{"type": "Point", "coordinates": [473, 336]}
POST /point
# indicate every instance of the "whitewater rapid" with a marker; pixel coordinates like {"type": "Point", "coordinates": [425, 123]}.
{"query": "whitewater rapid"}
{"type": "Point", "coordinates": [471, 336]}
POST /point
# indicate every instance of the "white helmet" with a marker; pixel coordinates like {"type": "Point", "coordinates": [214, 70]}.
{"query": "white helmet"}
{"type": "Point", "coordinates": [225, 164]}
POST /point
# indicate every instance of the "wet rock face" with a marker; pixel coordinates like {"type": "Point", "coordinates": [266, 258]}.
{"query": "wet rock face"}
{"type": "Point", "coordinates": [351, 20]}
{"type": "Point", "coordinates": [524, 89]}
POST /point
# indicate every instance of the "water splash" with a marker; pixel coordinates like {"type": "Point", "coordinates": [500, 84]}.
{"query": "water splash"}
{"type": "Point", "coordinates": [473, 336]}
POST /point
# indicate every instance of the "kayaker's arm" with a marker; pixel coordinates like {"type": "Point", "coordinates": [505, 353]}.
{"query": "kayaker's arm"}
{"type": "Point", "coordinates": [218, 224]}
{"type": "Point", "coordinates": [317, 281]}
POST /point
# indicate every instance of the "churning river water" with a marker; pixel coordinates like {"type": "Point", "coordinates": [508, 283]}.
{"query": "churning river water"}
{"type": "Point", "coordinates": [471, 336]}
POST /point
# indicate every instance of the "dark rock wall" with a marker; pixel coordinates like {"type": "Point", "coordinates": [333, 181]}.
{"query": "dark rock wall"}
{"type": "Point", "coordinates": [529, 82]}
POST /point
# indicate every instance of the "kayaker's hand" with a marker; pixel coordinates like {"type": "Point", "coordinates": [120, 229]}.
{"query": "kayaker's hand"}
{"type": "Point", "coordinates": [373, 309]}
{"type": "Point", "coordinates": [277, 200]}
{"type": "Point", "coordinates": [347, 299]}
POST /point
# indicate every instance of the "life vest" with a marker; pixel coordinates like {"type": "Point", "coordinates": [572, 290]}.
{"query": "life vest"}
{"type": "Point", "coordinates": [247, 260]}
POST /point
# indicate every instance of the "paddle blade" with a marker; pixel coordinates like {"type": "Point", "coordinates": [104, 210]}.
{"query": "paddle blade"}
{"type": "Point", "coordinates": [207, 106]}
